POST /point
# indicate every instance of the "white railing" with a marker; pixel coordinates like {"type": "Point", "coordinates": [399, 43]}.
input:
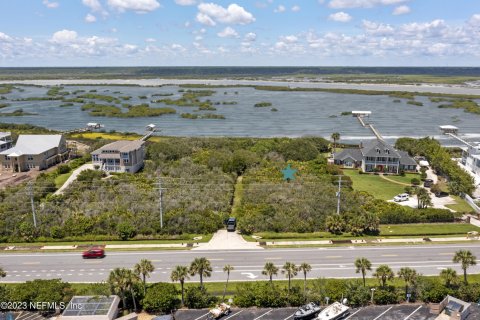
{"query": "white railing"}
{"type": "Point", "coordinates": [472, 203]}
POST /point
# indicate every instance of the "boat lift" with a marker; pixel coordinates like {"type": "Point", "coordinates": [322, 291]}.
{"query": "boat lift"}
{"type": "Point", "coordinates": [452, 131]}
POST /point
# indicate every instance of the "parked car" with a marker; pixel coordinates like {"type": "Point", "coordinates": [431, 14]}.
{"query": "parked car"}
{"type": "Point", "coordinates": [428, 183]}
{"type": "Point", "coordinates": [94, 253]}
{"type": "Point", "coordinates": [441, 194]}
{"type": "Point", "coordinates": [231, 224]}
{"type": "Point", "coordinates": [401, 197]}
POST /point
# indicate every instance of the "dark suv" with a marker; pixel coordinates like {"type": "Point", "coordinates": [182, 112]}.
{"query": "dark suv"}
{"type": "Point", "coordinates": [428, 183]}
{"type": "Point", "coordinates": [231, 224]}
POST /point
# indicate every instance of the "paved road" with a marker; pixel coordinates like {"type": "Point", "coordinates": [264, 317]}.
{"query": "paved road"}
{"type": "Point", "coordinates": [326, 262]}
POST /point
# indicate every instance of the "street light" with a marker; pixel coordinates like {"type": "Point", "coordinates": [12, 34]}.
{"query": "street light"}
{"type": "Point", "coordinates": [373, 290]}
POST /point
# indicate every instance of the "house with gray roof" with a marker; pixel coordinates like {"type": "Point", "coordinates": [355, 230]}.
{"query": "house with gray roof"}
{"type": "Point", "coordinates": [34, 152]}
{"type": "Point", "coordinates": [120, 156]}
{"type": "Point", "coordinates": [374, 156]}
{"type": "Point", "coordinates": [5, 140]}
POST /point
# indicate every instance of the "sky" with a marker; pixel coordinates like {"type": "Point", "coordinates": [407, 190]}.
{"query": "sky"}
{"type": "Point", "coordinates": [239, 33]}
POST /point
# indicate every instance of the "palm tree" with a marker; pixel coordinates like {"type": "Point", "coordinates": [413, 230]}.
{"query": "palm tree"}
{"type": "Point", "coordinates": [383, 273]}
{"type": "Point", "coordinates": [227, 268]}
{"type": "Point", "coordinates": [270, 270]}
{"type": "Point", "coordinates": [290, 270]}
{"type": "Point", "coordinates": [119, 281]}
{"type": "Point", "coordinates": [335, 137]}
{"type": "Point", "coordinates": [362, 265]}
{"type": "Point", "coordinates": [408, 275]}
{"type": "Point", "coordinates": [449, 276]}
{"type": "Point", "coordinates": [423, 198]}
{"type": "Point", "coordinates": [144, 268]}
{"type": "Point", "coordinates": [132, 279]}
{"type": "Point", "coordinates": [305, 268]}
{"type": "Point", "coordinates": [467, 259]}
{"type": "Point", "coordinates": [202, 267]}
{"type": "Point", "coordinates": [180, 274]}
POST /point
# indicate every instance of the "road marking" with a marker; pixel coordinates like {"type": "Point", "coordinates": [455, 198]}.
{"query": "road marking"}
{"type": "Point", "coordinates": [353, 314]}
{"type": "Point", "coordinates": [411, 314]}
{"type": "Point", "coordinates": [93, 262]}
{"type": "Point", "coordinates": [216, 259]}
{"type": "Point", "coordinates": [273, 258]}
{"type": "Point", "coordinates": [264, 314]}
{"type": "Point", "coordinates": [389, 255]}
{"type": "Point", "coordinates": [31, 262]}
{"type": "Point", "coordinates": [69, 274]}
{"type": "Point", "coordinates": [289, 317]}
{"type": "Point", "coordinates": [249, 275]}
{"type": "Point", "coordinates": [206, 314]}
{"type": "Point", "coordinates": [333, 257]}
{"type": "Point", "coordinates": [446, 254]}
{"type": "Point", "coordinates": [235, 314]}
{"type": "Point", "coordinates": [383, 313]}
{"type": "Point", "coordinates": [52, 270]}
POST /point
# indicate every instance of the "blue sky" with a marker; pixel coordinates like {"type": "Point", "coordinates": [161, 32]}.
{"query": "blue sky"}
{"type": "Point", "coordinates": [244, 33]}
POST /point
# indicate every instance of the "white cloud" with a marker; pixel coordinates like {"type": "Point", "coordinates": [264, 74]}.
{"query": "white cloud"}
{"type": "Point", "coordinates": [150, 40]}
{"type": "Point", "coordinates": [139, 6]}
{"type": "Point", "coordinates": [211, 13]}
{"type": "Point", "coordinates": [401, 10]}
{"type": "Point", "coordinates": [474, 20]}
{"type": "Point", "coordinates": [94, 5]}
{"type": "Point", "coordinates": [228, 32]}
{"type": "Point", "coordinates": [50, 5]}
{"type": "Point", "coordinates": [64, 36]}
{"type": "Point", "coordinates": [5, 37]}
{"type": "Point", "coordinates": [295, 8]}
{"type": "Point", "coordinates": [90, 18]}
{"type": "Point", "coordinates": [343, 4]}
{"type": "Point", "coordinates": [222, 49]}
{"type": "Point", "coordinates": [378, 29]}
{"type": "Point", "coordinates": [289, 39]}
{"type": "Point", "coordinates": [340, 17]}
{"type": "Point", "coordinates": [281, 8]}
{"type": "Point", "coordinates": [186, 2]}
{"type": "Point", "coordinates": [177, 47]}
{"type": "Point", "coordinates": [249, 37]}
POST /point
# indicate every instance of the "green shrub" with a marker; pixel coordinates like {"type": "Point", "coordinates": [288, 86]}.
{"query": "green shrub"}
{"type": "Point", "coordinates": [161, 297]}
{"type": "Point", "coordinates": [63, 168]}
{"type": "Point", "coordinates": [56, 232]}
{"type": "Point", "coordinates": [385, 296]}
{"type": "Point", "coordinates": [415, 181]}
{"type": "Point", "coordinates": [54, 291]}
{"type": "Point", "coordinates": [126, 231]}
{"type": "Point", "coordinates": [198, 297]}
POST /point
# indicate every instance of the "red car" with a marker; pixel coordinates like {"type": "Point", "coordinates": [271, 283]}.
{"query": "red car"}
{"type": "Point", "coordinates": [93, 253]}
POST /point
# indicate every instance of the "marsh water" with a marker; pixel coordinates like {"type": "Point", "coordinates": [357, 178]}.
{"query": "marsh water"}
{"type": "Point", "coordinates": [299, 113]}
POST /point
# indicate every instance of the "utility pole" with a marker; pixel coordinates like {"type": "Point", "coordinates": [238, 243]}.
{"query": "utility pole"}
{"type": "Point", "coordinates": [338, 193]}
{"type": "Point", "coordinates": [30, 189]}
{"type": "Point", "coordinates": [160, 195]}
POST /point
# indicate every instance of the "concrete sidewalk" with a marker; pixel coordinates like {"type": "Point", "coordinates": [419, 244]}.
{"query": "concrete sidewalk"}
{"type": "Point", "coordinates": [73, 177]}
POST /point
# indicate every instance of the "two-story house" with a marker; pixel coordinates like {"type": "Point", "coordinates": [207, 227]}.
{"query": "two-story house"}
{"type": "Point", "coordinates": [5, 140]}
{"type": "Point", "coordinates": [374, 156]}
{"type": "Point", "coordinates": [37, 152]}
{"type": "Point", "coordinates": [120, 156]}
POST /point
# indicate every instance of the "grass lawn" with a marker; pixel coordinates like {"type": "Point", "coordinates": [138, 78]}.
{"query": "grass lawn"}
{"type": "Point", "coordinates": [205, 238]}
{"type": "Point", "coordinates": [237, 197]}
{"type": "Point", "coordinates": [460, 206]}
{"type": "Point", "coordinates": [61, 179]}
{"type": "Point", "coordinates": [386, 231]}
{"type": "Point", "coordinates": [375, 185]}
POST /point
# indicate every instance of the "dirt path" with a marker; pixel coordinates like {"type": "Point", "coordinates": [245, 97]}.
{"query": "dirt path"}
{"type": "Point", "coordinates": [397, 182]}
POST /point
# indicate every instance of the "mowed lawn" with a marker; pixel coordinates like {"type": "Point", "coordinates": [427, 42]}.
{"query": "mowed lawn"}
{"type": "Point", "coordinates": [374, 184]}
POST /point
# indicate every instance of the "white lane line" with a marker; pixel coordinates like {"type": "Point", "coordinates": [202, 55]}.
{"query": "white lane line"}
{"type": "Point", "coordinates": [233, 315]}
{"type": "Point", "coordinates": [383, 313]}
{"type": "Point", "coordinates": [411, 314]}
{"type": "Point", "coordinates": [206, 314]}
{"type": "Point", "coordinates": [289, 317]}
{"type": "Point", "coordinates": [264, 314]}
{"type": "Point", "coordinates": [353, 314]}
{"type": "Point", "coordinates": [69, 274]}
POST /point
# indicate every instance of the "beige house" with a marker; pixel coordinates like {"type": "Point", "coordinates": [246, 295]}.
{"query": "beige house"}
{"type": "Point", "coordinates": [37, 152]}
{"type": "Point", "coordinates": [5, 141]}
{"type": "Point", "coordinates": [120, 156]}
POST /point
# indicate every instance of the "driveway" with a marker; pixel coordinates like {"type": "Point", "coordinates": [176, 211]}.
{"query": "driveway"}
{"type": "Point", "coordinates": [439, 203]}
{"type": "Point", "coordinates": [73, 177]}
{"type": "Point", "coordinates": [224, 240]}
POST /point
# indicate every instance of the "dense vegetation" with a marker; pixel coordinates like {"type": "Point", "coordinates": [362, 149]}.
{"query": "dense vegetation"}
{"type": "Point", "coordinates": [459, 181]}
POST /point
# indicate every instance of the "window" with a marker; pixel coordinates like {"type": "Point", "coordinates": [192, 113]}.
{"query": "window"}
{"type": "Point", "coordinates": [387, 151]}
{"type": "Point", "coordinates": [378, 151]}
{"type": "Point", "coordinates": [95, 157]}
{"type": "Point", "coordinates": [124, 154]}
{"type": "Point", "coordinates": [7, 158]}
{"type": "Point", "coordinates": [30, 157]}
{"type": "Point", "coordinates": [125, 161]}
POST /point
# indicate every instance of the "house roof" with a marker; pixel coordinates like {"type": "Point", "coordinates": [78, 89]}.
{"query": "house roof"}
{"type": "Point", "coordinates": [377, 148]}
{"type": "Point", "coordinates": [5, 135]}
{"type": "Point", "coordinates": [353, 153]}
{"type": "Point", "coordinates": [33, 144]}
{"type": "Point", "coordinates": [405, 159]}
{"type": "Point", "coordinates": [121, 146]}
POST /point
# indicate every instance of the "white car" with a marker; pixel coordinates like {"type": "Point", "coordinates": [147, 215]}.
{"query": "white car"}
{"type": "Point", "coordinates": [401, 197]}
